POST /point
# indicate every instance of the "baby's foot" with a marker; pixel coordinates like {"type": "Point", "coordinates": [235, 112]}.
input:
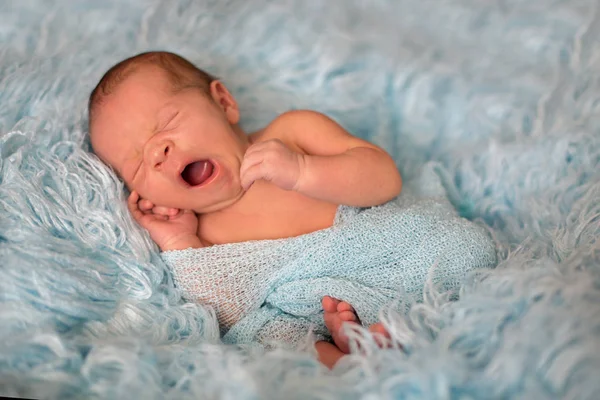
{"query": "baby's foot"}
{"type": "Point", "coordinates": [380, 334]}
{"type": "Point", "coordinates": [336, 313]}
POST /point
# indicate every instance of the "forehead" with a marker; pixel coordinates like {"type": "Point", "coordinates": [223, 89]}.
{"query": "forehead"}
{"type": "Point", "coordinates": [129, 112]}
{"type": "Point", "coordinates": [142, 83]}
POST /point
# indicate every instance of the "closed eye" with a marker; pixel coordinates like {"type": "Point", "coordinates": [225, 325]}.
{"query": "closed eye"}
{"type": "Point", "coordinates": [136, 171]}
{"type": "Point", "coordinates": [131, 171]}
{"type": "Point", "coordinates": [171, 119]}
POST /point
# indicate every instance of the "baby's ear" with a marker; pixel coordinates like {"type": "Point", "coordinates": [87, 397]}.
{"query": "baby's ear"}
{"type": "Point", "coordinates": [225, 100]}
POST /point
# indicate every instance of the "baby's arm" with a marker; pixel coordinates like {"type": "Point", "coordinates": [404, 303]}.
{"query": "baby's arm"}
{"type": "Point", "coordinates": [331, 164]}
{"type": "Point", "coordinates": [341, 168]}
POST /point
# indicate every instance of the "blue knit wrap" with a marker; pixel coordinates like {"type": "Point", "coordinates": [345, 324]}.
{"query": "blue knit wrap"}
{"type": "Point", "coordinates": [271, 290]}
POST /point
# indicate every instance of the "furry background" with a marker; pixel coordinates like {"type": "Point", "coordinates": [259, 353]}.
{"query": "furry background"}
{"type": "Point", "coordinates": [505, 93]}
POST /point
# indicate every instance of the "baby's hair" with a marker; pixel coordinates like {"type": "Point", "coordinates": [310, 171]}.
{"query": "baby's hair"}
{"type": "Point", "coordinates": [182, 74]}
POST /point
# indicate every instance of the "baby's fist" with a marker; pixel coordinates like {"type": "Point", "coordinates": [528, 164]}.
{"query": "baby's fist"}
{"type": "Point", "coordinates": [169, 228]}
{"type": "Point", "coordinates": [274, 162]}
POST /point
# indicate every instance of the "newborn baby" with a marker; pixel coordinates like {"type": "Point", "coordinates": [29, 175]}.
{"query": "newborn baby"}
{"type": "Point", "coordinates": [171, 132]}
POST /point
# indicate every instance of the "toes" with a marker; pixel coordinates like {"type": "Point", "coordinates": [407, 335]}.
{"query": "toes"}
{"type": "Point", "coordinates": [343, 306]}
{"type": "Point", "coordinates": [329, 304]}
{"type": "Point", "coordinates": [380, 334]}
{"type": "Point", "coordinates": [380, 329]}
{"type": "Point", "coordinates": [348, 316]}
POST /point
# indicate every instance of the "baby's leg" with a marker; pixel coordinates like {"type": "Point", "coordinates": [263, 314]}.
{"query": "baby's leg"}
{"type": "Point", "coordinates": [328, 353]}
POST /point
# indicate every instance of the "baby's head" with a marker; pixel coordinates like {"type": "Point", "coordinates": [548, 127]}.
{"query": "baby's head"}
{"type": "Point", "coordinates": [170, 131]}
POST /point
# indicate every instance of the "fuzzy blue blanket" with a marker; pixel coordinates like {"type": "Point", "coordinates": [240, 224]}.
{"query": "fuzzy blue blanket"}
{"type": "Point", "coordinates": [503, 94]}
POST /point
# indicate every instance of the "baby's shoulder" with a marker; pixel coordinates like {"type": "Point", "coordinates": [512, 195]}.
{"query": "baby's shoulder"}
{"type": "Point", "coordinates": [295, 119]}
{"type": "Point", "coordinates": [285, 126]}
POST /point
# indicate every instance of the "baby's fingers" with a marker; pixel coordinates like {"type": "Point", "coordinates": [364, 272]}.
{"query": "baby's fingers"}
{"type": "Point", "coordinates": [166, 211]}
{"type": "Point", "coordinates": [132, 205]}
{"type": "Point", "coordinates": [249, 161]}
{"type": "Point", "coordinates": [145, 205]}
{"type": "Point", "coordinates": [252, 174]}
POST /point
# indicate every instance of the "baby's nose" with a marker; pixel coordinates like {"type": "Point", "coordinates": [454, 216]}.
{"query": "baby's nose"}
{"type": "Point", "coordinates": [160, 153]}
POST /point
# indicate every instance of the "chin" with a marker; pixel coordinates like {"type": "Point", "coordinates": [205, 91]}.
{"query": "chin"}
{"type": "Point", "coordinates": [220, 204]}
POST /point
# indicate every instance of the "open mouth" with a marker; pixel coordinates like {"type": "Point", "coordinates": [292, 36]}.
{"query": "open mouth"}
{"type": "Point", "coordinates": [198, 172]}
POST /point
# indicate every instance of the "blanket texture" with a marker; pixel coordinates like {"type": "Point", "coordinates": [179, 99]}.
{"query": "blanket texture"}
{"type": "Point", "coordinates": [270, 291]}
{"type": "Point", "coordinates": [504, 94]}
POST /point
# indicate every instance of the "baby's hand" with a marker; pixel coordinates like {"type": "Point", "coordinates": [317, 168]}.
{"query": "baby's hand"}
{"type": "Point", "coordinates": [274, 162]}
{"type": "Point", "coordinates": [170, 228]}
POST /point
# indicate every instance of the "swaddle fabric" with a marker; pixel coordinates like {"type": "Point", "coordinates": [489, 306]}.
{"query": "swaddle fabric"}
{"type": "Point", "coordinates": [271, 290]}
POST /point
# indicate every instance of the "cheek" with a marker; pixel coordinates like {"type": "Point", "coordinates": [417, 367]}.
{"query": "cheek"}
{"type": "Point", "coordinates": [145, 186]}
{"type": "Point", "coordinates": [158, 191]}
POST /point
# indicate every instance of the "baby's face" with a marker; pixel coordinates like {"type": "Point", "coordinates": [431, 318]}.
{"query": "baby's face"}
{"type": "Point", "coordinates": [176, 150]}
